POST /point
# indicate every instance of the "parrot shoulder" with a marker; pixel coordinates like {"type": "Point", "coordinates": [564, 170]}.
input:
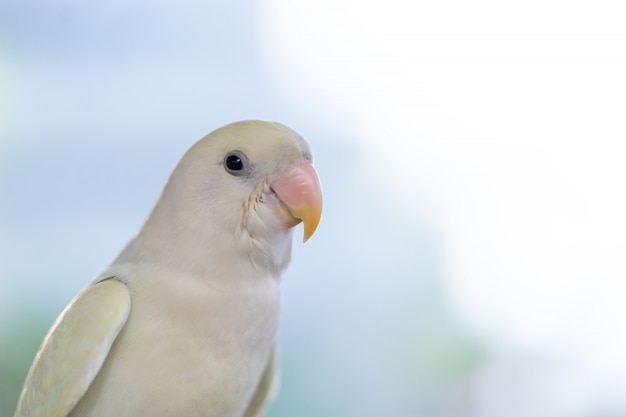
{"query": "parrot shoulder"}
{"type": "Point", "coordinates": [74, 350]}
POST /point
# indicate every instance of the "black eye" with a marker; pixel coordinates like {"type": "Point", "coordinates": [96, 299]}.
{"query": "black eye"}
{"type": "Point", "coordinates": [236, 163]}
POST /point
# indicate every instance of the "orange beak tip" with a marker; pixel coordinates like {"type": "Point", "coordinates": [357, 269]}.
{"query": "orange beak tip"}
{"type": "Point", "coordinates": [310, 227]}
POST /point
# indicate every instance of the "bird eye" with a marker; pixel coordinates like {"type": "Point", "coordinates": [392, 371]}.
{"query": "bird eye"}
{"type": "Point", "coordinates": [236, 163]}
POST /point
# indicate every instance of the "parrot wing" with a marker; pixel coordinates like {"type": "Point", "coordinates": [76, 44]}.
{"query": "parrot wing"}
{"type": "Point", "coordinates": [266, 391]}
{"type": "Point", "coordinates": [74, 350]}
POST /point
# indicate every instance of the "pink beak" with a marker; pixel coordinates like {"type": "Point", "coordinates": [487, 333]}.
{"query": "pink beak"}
{"type": "Point", "coordinates": [299, 189]}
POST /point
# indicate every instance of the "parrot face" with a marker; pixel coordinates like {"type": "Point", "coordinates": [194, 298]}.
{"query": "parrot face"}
{"type": "Point", "coordinates": [183, 322]}
{"type": "Point", "coordinates": [279, 191]}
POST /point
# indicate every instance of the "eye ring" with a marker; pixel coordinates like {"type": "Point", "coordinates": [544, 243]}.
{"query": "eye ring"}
{"type": "Point", "coordinates": [236, 163]}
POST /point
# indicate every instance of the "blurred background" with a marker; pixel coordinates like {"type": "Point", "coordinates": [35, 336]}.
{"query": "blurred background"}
{"type": "Point", "coordinates": [470, 261]}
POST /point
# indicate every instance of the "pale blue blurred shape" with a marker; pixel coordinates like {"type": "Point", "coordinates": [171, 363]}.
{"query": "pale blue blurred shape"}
{"type": "Point", "coordinates": [107, 97]}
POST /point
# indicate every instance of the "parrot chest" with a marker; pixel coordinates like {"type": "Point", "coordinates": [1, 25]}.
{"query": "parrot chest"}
{"type": "Point", "coordinates": [189, 349]}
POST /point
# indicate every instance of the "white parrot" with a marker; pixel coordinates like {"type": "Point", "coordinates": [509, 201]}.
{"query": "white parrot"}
{"type": "Point", "coordinates": [183, 322]}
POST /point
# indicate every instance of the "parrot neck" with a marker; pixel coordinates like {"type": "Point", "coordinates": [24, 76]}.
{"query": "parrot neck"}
{"type": "Point", "coordinates": [272, 253]}
{"type": "Point", "coordinates": [182, 245]}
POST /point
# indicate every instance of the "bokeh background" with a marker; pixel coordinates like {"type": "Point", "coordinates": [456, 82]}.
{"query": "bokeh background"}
{"type": "Point", "coordinates": [471, 257]}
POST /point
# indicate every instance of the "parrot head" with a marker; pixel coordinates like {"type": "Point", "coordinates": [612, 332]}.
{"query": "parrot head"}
{"type": "Point", "coordinates": [247, 184]}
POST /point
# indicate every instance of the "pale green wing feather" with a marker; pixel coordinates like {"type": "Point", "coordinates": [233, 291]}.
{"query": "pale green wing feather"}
{"type": "Point", "coordinates": [266, 391]}
{"type": "Point", "coordinates": [74, 350]}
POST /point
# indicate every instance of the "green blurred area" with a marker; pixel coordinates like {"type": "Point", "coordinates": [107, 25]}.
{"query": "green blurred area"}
{"type": "Point", "coordinates": [20, 339]}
